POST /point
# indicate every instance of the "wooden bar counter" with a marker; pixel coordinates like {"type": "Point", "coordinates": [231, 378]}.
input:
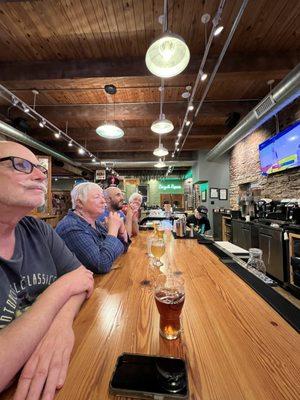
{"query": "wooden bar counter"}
{"type": "Point", "coordinates": [236, 346]}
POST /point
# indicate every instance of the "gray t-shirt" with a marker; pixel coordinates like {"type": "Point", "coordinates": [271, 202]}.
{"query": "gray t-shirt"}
{"type": "Point", "coordinates": [40, 257]}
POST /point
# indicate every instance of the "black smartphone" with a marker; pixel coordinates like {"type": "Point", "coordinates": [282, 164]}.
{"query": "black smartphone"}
{"type": "Point", "coordinates": [149, 377]}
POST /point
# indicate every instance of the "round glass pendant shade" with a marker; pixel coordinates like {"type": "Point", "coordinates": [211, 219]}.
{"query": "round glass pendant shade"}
{"type": "Point", "coordinates": [162, 125]}
{"type": "Point", "coordinates": [110, 131]}
{"type": "Point", "coordinates": [167, 56]}
{"type": "Point", "coordinates": [160, 151]}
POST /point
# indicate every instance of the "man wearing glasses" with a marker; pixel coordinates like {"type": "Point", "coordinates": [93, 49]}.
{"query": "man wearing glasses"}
{"type": "Point", "coordinates": [42, 284]}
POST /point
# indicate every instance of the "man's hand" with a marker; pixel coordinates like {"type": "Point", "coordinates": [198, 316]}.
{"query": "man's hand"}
{"type": "Point", "coordinates": [113, 223]}
{"type": "Point", "coordinates": [78, 281]}
{"type": "Point", "coordinates": [46, 369]}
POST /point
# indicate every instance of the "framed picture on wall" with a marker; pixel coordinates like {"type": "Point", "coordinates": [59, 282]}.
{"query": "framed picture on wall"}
{"type": "Point", "coordinates": [214, 193]}
{"type": "Point", "coordinates": [223, 194]}
{"type": "Point", "coordinates": [204, 195]}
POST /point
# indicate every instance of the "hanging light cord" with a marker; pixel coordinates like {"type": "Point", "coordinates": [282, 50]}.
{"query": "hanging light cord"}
{"type": "Point", "coordinates": [221, 56]}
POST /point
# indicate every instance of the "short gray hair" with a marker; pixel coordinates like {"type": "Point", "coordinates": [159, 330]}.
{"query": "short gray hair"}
{"type": "Point", "coordinates": [81, 191]}
{"type": "Point", "coordinates": [134, 195]}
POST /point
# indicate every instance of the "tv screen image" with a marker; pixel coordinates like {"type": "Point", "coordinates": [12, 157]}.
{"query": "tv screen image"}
{"type": "Point", "coordinates": [281, 151]}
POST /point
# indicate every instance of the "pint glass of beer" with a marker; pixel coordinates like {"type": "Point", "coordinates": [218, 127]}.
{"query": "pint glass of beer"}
{"type": "Point", "coordinates": [169, 298]}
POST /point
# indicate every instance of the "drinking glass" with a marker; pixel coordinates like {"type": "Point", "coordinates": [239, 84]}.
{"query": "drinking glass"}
{"type": "Point", "coordinates": [157, 249]}
{"type": "Point", "coordinates": [169, 298]}
{"type": "Point", "coordinates": [160, 232]}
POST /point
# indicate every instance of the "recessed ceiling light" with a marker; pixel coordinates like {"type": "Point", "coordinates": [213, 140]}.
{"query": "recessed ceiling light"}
{"type": "Point", "coordinates": [185, 95]}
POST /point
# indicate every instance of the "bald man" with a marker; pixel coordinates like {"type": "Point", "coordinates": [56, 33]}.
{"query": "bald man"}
{"type": "Point", "coordinates": [42, 284]}
{"type": "Point", "coordinates": [115, 199]}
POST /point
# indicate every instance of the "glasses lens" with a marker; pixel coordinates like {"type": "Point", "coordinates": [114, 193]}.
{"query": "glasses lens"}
{"type": "Point", "coordinates": [42, 169]}
{"type": "Point", "coordinates": [22, 165]}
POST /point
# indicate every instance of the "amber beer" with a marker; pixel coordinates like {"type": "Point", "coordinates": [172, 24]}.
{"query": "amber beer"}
{"type": "Point", "coordinates": [160, 232]}
{"type": "Point", "coordinates": [157, 249]}
{"type": "Point", "coordinates": [169, 301]}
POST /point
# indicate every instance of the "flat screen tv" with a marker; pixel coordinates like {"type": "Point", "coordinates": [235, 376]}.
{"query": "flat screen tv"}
{"type": "Point", "coordinates": [281, 151]}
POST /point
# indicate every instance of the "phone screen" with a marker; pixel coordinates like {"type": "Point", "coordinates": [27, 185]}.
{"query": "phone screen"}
{"type": "Point", "coordinates": [150, 374]}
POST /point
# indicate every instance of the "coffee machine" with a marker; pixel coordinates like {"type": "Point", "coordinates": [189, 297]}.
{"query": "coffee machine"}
{"type": "Point", "coordinates": [293, 212]}
{"type": "Point", "coordinates": [260, 209]}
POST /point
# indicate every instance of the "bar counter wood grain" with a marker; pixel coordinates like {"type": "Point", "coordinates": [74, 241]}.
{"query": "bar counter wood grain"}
{"type": "Point", "coordinates": [236, 346]}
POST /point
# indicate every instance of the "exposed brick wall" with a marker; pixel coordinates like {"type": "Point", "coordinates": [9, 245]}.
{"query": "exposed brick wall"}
{"type": "Point", "coordinates": [245, 167]}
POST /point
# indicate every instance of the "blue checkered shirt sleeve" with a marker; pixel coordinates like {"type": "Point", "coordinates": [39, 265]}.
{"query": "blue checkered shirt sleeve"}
{"type": "Point", "coordinates": [95, 249]}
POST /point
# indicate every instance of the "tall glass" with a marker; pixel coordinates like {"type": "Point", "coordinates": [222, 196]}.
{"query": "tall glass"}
{"type": "Point", "coordinates": [160, 232]}
{"type": "Point", "coordinates": [169, 298]}
{"type": "Point", "coordinates": [157, 249]}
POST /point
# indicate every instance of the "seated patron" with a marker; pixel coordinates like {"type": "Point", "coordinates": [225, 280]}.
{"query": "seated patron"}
{"type": "Point", "coordinates": [95, 245]}
{"type": "Point", "coordinates": [42, 284]}
{"type": "Point", "coordinates": [114, 203]}
{"type": "Point", "coordinates": [199, 219]}
{"type": "Point", "coordinates": [132, 213]}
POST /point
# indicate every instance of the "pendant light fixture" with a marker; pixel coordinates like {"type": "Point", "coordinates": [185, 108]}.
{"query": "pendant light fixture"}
{"type": "Point", "coordinates": [160, 164]}
{"type": "Point", "coordinates": [168, 55]}
{"type": "Point", "coordinates": [162, 125]}
{"type": "Point", "coordinates": [160, 151]}
{"type": "Point", "coordinates": [110, 130]}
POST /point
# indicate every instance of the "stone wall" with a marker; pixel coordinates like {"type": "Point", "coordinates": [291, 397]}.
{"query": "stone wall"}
{"type": "Point", "coordinates": [245, 168]}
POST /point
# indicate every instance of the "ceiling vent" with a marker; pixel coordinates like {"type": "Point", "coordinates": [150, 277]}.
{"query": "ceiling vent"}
{"type": "Point", "coordinates": [264, 106]}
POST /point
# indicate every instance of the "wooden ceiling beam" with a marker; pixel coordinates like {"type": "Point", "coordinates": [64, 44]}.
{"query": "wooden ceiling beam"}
{"type": "Point", "coordinates": [90, 134]}
{"type": "Point", "coordinates": [126, 146]}
{"type": "Point", "coordinates": [95, 113]}
{"type": "Point", "coordinates": [233, 66]}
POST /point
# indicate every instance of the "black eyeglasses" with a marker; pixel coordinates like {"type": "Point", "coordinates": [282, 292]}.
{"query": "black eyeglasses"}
{"type": "Point", "coordinates": [22, 165]}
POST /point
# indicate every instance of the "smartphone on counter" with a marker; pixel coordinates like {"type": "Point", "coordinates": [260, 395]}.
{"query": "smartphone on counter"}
{"type": "Point", "coordinates": [149, 377]}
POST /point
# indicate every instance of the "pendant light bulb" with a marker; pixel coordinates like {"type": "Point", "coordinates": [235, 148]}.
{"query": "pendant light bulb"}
{"type": "Point", "coordinates": [167, 56]}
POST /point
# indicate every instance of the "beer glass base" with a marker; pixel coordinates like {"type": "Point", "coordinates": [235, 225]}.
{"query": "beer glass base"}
{"type": "Point", "coordinates": [169, 336]}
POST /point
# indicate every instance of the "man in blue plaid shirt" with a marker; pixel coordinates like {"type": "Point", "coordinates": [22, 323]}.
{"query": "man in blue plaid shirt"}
{"type": "Point", "coordinates": [95, 244]}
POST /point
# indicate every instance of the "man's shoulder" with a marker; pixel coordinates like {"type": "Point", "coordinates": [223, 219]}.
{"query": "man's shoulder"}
{"type": "Point", "coordinates": [33, 224]}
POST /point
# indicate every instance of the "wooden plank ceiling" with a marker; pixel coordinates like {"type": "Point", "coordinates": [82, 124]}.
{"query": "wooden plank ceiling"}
{"type": "Point", "coordinates": [68, 50]}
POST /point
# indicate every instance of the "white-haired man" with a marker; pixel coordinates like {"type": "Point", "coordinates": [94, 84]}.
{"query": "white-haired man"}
{"type": "Point", "coordinates": [39, 275]}
{"type": "Point", "coordinates": [95, 246]}
{"type": "Point", "coordinates": [132, 213]}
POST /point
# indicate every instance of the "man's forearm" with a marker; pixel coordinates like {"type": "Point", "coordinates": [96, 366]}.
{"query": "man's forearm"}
{"type": "Point", "coordinates": [128, 225]}
{"type": "Point", "coordinates": [19, 339]}
{"type": "Point", "coordinates": [69, 311]}
{"type": "Point", "coordinates": [135, 227]}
